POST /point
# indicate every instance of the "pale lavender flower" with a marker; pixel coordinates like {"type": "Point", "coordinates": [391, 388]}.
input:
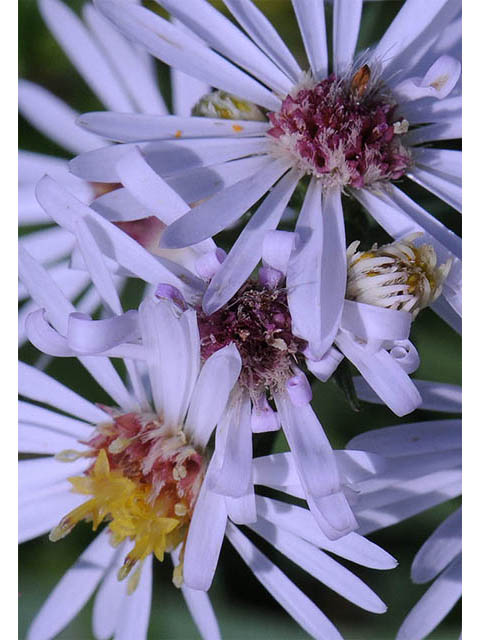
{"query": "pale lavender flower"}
{"type": "Point", "coordinates": [257, 320]}
{"type": "Point", "coordinates": [122, 76]}
{"type": "Point", "coordinates": [409, 78]}
{"type": "Point", "coordinates": [425, 470]}
{"type": "Point", "coordinates": [155, 438]}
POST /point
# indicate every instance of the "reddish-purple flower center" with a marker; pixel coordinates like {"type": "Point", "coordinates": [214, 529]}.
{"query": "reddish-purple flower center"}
{"type": "Point", "coordinates": [343, 132]}
{"type": "Point", "coordinates": [258, 321]}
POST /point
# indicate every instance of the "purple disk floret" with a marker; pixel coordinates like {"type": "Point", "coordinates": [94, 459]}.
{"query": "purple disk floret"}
{"type": "Point", "coordinates": [339, 134]}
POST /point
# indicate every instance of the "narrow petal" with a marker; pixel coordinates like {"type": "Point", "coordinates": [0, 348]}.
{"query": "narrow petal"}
{"type": "Point", "coordinates": [112, 242]}
{"type": "Point", "coordinates": [434, 604]}
{"type": "Point", "coordinates": [346, 25]}
{"type": "Point", "coordinates": [54, 118]}
{"type": "Point", "coordinates": [130, 67]}
{"type": "Point", "coordinates": [35, 439]}
{"type": "Point", "coordinates": [382, 373]}
{"type": "Point", "coordinates": [231, 466]}
{"type": "Point", "coordinates": [369, 322]}
{"type": "Point", "coordinates": [316, 466]}
{"type": "Point", "coordinates": [109, 599]}
{"type": "Point", "coordinates": [167, 157]}
{"type": "Point", "coordinates": [85, 54]}
{"type": "Point", "coordinates": [300, 522]}
{"type": "Point", "coordinates": [36, 385]}
{"type": "Point", "coordinates": [407, 26]}
{"type": "Point", "coordinates": [450, 192]}
{"type": "Point", "coordinates": [176, 48]}
{"type": "Point", "coordinates": [168, 359]}
{"type": "Point", "coordinates": [200, 608]}
{"type": "Point", "coordinates": [316, 274]}
{"type": "Point", "coordinates": [149, 188]}
{"type": "Point", "coordinates": [56, 502]}
{"type": "Point", "coordinates": [311, 21]}
{"type": "Point", "coordinates": [247, 250]}
{"type": "Point", "coordinates": [133, 127]}
{"type": "Point", "coordinates": [223, 36]}
{"type": "Point", "coordinates": [41, 417]}
{"type": "Point", "coordinates": [212, 390]}
{"type": "Point", "coordinates": [320, 566]}
{"type": "Point", "coordinates": [254, 22]}
{"type": "Point", "coordinates": [204, 540]}
{"type": "Point", "coordinates": [413, 497]}
{"type": "Point", "coordinates": [439, 549]}
{"type": "Point", "coordinates": [436, 396]}
{"type": "Point", "coordinates": [212, 216]}
{"type": "Point", "coordinates": [73, 590]}
{"type": "Point", "coordinates": [411, 439]}
{"type": "Point", "coordinates": [302, 610]}
{"type": "Point", "coordinates": [135, 614]}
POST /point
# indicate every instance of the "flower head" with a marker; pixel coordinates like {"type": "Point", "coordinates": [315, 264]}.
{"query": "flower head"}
{"type": "Point", "coordinates": [344, 131]}
{"type": "Point", "coordinates": [401, 275]}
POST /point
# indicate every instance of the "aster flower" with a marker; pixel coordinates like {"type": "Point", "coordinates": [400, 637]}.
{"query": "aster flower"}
{"type": "Point", "coordinates": [348, 130]}
{"type": "Point", "coordinates": [257, 320]}
{"type": "Point", "coordinates": [387, 286]}
{"type": "Point", "coordinates": [144, 467]}
{"type": "Point", "coordinates": [123, 78]}
{"type": "Point", "coordinates": [428, 460]}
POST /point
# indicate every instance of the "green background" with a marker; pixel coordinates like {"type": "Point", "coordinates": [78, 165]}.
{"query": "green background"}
{"type": "Point", "coordinates": [244, 609]}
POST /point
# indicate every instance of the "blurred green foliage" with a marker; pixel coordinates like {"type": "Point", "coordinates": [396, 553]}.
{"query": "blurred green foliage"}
{"type": "Point", "coordinates": [244, 608]}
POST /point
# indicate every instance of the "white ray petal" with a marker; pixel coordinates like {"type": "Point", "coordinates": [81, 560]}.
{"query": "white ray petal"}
{"type": "Point", "coordinates": [436, 396]}
{"type": "Point", "coordinates": [439, 549]}
{"type": "Point", "coordinates": [109, 599]}
{"type": "Point", "coordinates": [320, 480]}
{"type": "Point", "coordinates": [54, 118]}
{"type": "Point", "coordinates": [133, 127]}
{"type": "Point", "coordinates": [56, 502]}
{"type": "Point", "coordinates": [212, 389]}
{"type": "Point", "coordinates": [166, 158]}
{"type": "Point", "coordinates": [135, 614]}
{"type": "Point", "coordinates": [231, 466]}
{"type": "Point", "coordinates": [128, 65]}
{"type": "Point", "coordinates": [406, 27]}
{"type": "Point", "coordinates": [413, 497]}
{"type": "Point", "coordinates": [448, 191]}
{"type": "Point", "coordinates": [346, 25]}
{"type": "Point", "coordinates": [247, 250]}
{"type": "Point", "coordinates": [204, 540]}
{"type": "Point", "coordinates": [168, 360]}
{"type": "Point", "coordinates": [113, 242]}
{"type": "Point", "coordinates": [200, 608]}
{"type": "Point", "coordinates": [441, 161]}
{"type": "Point", "coordinates": [35, 439]}
{"type": "Point", "coordinates": [73, 590]}
{"type": "Point", "coordinates": [264, 35]}
{"type": "Point", "coordinates": [56, 421]}
{"type": "Point", "coordinates": [311, 20]}
{"type": "Point", "coordinates": [300, 522]}
{"type": "Point", "coordinates": [296, 603]}
{"type": "Point", "coordinates": [320, 566]}
{"type": "Point", "coordinates": [212, 216]}
{"type": "Point", "coordinates": [36, 385]}
{"type": "Point", "coordinates": [223, 36]}
{"type": "Point", "coordinates": [434, 605]}
{"type": "Point", "coordinates": [175, 47]}
{"type": "Point", "coordinates": [85, 54]}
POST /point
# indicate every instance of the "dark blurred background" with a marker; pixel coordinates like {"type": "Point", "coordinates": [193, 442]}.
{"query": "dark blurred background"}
{"type": "Point", "coordinates": [244, 609]}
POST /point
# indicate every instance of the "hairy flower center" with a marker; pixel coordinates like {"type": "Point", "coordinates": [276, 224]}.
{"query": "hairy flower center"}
{"type": "Point", "coordinates": [144, 481]}
{"type": "Point", "coordinates": [398, 276]}
{"type": "Point", "coordinates": [343, 131]}
{"type": "Point", "coordinates": [258, 321]}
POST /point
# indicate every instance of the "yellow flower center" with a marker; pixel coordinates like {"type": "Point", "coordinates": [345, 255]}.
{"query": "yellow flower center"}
{"type": "Point", "coordinates": [144, 483]}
